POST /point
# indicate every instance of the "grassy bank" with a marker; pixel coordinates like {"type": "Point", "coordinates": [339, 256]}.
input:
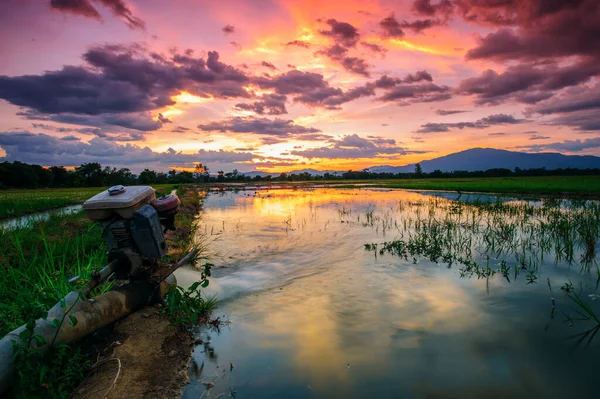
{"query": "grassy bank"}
{"type": "Point", "coordinates": [181, 240]}
{"type": "Point", "coordinates": [35, 264]}
{"type": "Point", "coordinates": [587, 185]}
{"type": "Point", "coordinates": [37, 261]}
{"type": "Point", "coordinates": [15, 203]}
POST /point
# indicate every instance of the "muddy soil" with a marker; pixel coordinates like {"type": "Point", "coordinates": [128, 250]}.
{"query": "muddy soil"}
{"type": "Point", "coordinates": [154, 359]}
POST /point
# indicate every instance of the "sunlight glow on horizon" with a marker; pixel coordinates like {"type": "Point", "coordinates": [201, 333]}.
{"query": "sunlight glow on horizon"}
{"type": "Point", "coordinates": [360, 82]}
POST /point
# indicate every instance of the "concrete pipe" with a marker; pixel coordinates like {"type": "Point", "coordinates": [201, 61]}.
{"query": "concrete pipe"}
{"type": "Point", "coordinates": [91, 315]}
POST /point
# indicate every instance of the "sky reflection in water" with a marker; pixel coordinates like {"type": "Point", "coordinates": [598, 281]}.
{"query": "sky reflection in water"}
{"type": "Point", "coordinates": [315, 315]}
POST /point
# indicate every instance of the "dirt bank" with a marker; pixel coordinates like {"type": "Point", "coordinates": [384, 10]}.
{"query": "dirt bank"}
{"type": "Point", "coordinates": [154, 357]}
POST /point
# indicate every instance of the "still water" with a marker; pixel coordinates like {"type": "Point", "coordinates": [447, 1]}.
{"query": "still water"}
{"type": "Point", "coordinates": [314, 315]}
{"type": "Point", "coordinates": [32, 218]}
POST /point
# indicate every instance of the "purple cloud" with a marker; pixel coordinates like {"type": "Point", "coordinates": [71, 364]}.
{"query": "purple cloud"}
{"type": "Point", "coordinates": [86, 9]}
{"type": "Point", "coordinates": [483, 123]}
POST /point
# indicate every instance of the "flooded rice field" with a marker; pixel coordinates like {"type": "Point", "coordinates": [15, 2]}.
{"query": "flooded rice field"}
{"type": "Point", "coordinates": [389, 293]}
{"type": "Point", "coordinates": [32, 218]}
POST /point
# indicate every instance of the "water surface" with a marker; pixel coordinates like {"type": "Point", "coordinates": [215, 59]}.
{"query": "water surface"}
{"type": "Point", "coordinates": [313, 314]}
{"type": "Point", "coordinates": [32, 218]}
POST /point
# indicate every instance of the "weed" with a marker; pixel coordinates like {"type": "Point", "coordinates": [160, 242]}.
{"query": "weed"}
{"type": "Point", "coordinates": [513, 238]}
{"type": "Point", "coordinates": [187, 307]}
{"type": "Point", "coordinates": [53, 374]}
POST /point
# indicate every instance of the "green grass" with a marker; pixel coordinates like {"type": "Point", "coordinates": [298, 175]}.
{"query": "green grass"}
{"type": "Point", "coordinates": [15, 203]}
{"type": "Point", "coordinates": [543, 184]}
{"type": "Point", "coordinates": [35, 265]}
{"type": "Point", "coordinates": [36, 262]}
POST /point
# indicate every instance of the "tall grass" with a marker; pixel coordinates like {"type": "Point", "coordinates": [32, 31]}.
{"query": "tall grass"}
{"type": "Point", "coordinates": [21, 202]}
{"type": "Point", "coordinates": [36, 263]}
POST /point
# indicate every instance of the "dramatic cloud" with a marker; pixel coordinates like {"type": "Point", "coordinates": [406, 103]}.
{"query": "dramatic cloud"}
{"type": "Point", "coordinates": [412, 89]}
{"type": "Point", "coordinates": [417, 77]}
{"type": "Point", "coordinates": [391, 27]}
{"type": "Point", "coordinates": [342, 33]}
{"type": "Point", "coordinates": [375, 48]}
{"type": "Point", "coordinates": [537, 58]}
{"type": "Point", "coordinates": [48, 150]}
{"type": "Point", "coordinates": [268, 65]}
{"type": "Point", "coordinates": [345, 37]}
{"type": "Point", "coordinates": [354, 146]}
{"type": "Point", "coordinates": [86, 9]}
{"type": "Point", "coordinates": [70, 138]}
{"type": "Point", "coordinates": [496, 119]}
{"type": "Point", "coordinates": [444, 112]}
{"type": "Point", "coordinates": [420, 25]}
{"type": "Point", "coordinates": [335, 52]}
{"type": "Point", "coordinates": [565, 146]}
{"type": "Point", "coordinates": [293, 82]}
{"type": "Point", "coordinates": [394, 29]}
{"type": "Point", "coordinates": [526, 83]}
{"type": "Point", "coordinates": [261, 126]}
{"type": "Point", "coordinates": [269, 104]}
{"type": "Point", "coordinates": [298, 43]}
{"type": "Point", "coordinates": [351, 64]}
{"type": "Point", "coordinates": [142, 121]}
{"type": "Point", "coordinates": [42, 126]}
{"type": "Point", "coordinates": [356, 65]}
{"type": "Point", "coordinates": [579, 120]}
{"type": "Point", "coordinates": [378, 140]}
{"type": "Point", "coordinates": [405, 94]}
{"type": "Point", "coordinates": [227, 29]}
{"type": "Point", "coordinates": [574, 99]}
{"type": "Point", "coordinates": [403, 91]}
{"type": "Point", "coordinates": [310, 89]}
{"type": "Point", "coordinates": [180, 129]}
{"type": "Point", "coordinates": [123, 79]}
{"type": "Point", "coordinates": [535, 29]}
{"type": "Point", "coordinates": [442, 8]}
{"type": "Point", "coordinates": [578, 107]}
{"type": "Point", "coordinates": [549, 46]}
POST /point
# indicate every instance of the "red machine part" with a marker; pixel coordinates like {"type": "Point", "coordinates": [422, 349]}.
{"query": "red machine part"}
{"type": "Point", "coordinates": [166, 205]}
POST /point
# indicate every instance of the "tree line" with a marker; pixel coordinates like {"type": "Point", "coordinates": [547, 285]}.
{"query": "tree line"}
{"type": "Point", "coordinates": [21, 175]}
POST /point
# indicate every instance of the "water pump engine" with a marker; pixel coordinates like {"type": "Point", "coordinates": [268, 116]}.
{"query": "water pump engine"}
{"type": "Point", "coordinates": [134, 223]}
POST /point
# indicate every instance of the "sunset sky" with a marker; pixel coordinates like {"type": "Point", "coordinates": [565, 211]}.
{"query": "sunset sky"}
{"type": "Point", "coordinates": [278, 85]}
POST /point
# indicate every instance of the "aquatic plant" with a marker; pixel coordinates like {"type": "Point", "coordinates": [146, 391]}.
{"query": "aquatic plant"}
{"type": "Point", "coordinates": [510, 238]}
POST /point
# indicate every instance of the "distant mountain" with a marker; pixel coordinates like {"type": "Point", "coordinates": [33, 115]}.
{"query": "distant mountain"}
{"type": "Point", "coordinates": [312, 172]}
{"type": "Point", "coordinates": [476, 159]}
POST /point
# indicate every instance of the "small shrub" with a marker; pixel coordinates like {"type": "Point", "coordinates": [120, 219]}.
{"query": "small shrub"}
{"type": "Point", "coordinates": [187, 307]}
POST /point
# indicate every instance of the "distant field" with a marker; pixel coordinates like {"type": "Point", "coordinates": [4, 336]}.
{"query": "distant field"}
{"type": "Point", "coordinates": [21, 202]}
{"type": "Point", "coordinates": [589, 185]}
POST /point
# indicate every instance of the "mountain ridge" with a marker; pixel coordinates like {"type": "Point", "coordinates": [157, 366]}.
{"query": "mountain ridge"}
{"type": "Point", "coordinates": [475, 159]}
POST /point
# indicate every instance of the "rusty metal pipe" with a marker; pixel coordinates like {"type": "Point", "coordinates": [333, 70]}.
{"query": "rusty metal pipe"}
{"type": "Point", "coordinates": [91, 314]}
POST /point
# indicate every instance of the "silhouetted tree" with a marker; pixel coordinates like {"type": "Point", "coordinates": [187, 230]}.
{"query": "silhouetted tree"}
{"type": "Point", "coordinates": [418, 170]}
